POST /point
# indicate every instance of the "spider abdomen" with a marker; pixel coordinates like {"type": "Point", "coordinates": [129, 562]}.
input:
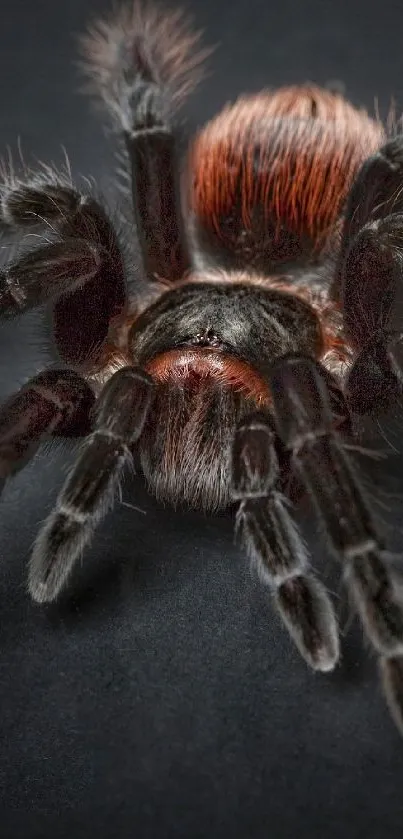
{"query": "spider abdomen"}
{"type": "Point", "coordinates": [271, 173]}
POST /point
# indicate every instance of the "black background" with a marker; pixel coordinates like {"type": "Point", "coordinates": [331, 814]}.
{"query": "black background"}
{"type": "Point", "coordinates": [162, 698]}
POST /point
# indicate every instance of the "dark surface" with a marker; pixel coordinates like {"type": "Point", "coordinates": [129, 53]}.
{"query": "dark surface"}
{"type": "Point", "coordinates": [162, 698]}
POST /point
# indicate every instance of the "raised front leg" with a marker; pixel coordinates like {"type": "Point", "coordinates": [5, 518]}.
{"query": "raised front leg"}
{"type": "Point", "coordinates": [142, 63]}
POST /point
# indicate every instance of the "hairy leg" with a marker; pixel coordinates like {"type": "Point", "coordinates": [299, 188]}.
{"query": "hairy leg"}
{"type": "Point", "coordinates": [275, 547]}
{"type": "Point", "coordinates": [56, 403]}
{"type": "Point", "coordinates": [305, 423]}
{"type": "Point", "coordinates": [369, 281]}
{"type": "Point", "coordinates": [142, 63]}
{"type": "Point", "coordinates": [81, 271]}
{"type": "Point", "coordinates": [90, 488]}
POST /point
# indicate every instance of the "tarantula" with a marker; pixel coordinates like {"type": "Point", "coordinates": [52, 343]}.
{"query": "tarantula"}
{"type": "Point", "coordinates": [267, 321]}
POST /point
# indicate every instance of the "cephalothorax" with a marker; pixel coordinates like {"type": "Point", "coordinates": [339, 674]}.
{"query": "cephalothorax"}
{"type": "Point", "coordinates": [266, 319]}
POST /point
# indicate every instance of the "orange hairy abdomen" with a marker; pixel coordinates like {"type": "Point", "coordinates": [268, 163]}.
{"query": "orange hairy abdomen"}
{"type": "Point", "coordinates": [277, 166]}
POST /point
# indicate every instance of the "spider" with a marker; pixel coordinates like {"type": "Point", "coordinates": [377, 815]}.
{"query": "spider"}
{"type": "Point", "coordinates": [263, 324]}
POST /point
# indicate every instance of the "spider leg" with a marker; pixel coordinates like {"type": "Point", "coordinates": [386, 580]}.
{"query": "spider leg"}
{"type": "Point", "coordinates": [372, 301]}
{"type": "Point", "coordinates": [82, 271]}
{"type": "Point", "coordinates": [54, 403]}
{"type": "Point", "coordinates": [370, 280]}
{"type": "Point", "coordinates": [143, 63]}
{"type": "Point", "coordinates": [89, 490]}
{"type": "Point", "coordinates": [46, 273]}
{"type": "Point", "coordinates": [155, 172]}
{"type": "Point", "coordinates": [272, 542]}
{"type": "Point", "coordinates": [305, 424]}
{"type": "Point", "coordinates": [377, 190]}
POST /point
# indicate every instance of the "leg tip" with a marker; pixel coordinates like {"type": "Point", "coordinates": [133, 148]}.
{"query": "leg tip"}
{"type": "Point", "coordinates": [308, 614]}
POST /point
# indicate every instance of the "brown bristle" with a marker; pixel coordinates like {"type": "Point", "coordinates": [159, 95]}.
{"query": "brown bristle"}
{"type": "Point", "coordinates": [291, 154]}
{"type": "Point", "coordinates": [187, 366]}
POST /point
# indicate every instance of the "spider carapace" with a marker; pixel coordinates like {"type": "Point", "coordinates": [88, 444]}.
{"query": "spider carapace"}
{"type": "Point", "coordinates": [264, 322]}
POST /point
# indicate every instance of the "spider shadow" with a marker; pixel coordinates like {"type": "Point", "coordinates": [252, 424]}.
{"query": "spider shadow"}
{"type": "Point", "coordinates": [141, 548]}
{"type": "Point", "coordinates": [99, 583]}
{"type": "Point", "coordinates": [356, 660]}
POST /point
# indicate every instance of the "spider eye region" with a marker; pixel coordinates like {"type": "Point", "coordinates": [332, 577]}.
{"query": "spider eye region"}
{"type": "Point", "coordinates": [204, 339]}
{"type": "Point", "coordinates": [228, 332]}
